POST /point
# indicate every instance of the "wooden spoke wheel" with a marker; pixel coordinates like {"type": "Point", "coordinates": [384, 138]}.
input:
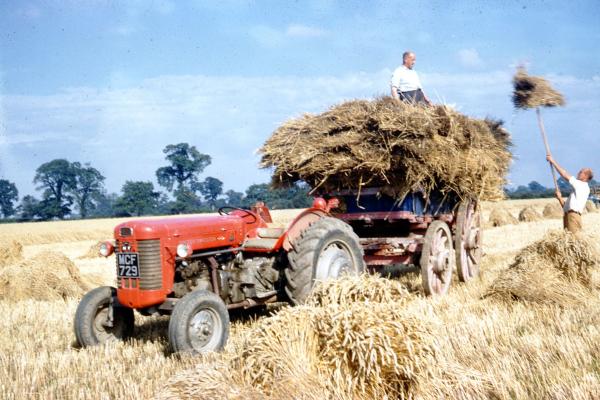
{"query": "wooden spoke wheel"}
{"type": "Point", "coordinates": [437, 259]}
{"type": "Point", "coordinates": [467, 240]}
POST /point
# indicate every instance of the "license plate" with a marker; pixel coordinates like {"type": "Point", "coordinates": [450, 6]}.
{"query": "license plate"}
{"type": "Point", "coordinates": [128, 265]}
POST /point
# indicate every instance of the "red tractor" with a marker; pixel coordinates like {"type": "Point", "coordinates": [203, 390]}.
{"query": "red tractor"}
{"type": "Point", "coordinates": [197, 268]}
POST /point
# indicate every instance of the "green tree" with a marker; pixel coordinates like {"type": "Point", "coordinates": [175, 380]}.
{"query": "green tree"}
{"type": "Point", "coordinates": [88, 183]}
{"type": "Point", "coordinates": [104, 204]}
{"type": "Point", "coordinates": [186, 201]}
{"type": "Point", "coordinates": [138, 198]}
{"type": "Point", "coordinates": [29, 208]}
{"type": "Point", "coordinates": [211, 188]}
{"type": "Point", "coordinates": [8, 196]}
{"type": "Point", "coordinates": [57, 179]}
{"type": "Point", "coordinates": [234, 198]}
{"type": "Point", "coordinates": [186, 164]}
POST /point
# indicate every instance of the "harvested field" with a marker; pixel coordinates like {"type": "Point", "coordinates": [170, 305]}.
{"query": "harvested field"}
{"type": "Point", "coordinates": [10, 252]}
{"type": "Point", "coordinates": [529, 214]}
{"type": "Point", "coordinates": [397, 146]}
{"type": "Point", "coordinates": [484, 347]}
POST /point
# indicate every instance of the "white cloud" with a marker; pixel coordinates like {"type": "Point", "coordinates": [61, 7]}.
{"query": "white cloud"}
{"type": "Point", "coordinates": [297, 30]}
{"type": "Point", "coordinates": [271, 37]}
{"type": "Point", "coordinates": [470, 58]}
{"type": "Point", "coordinates": [30, 11]}
{"type": "Point", "coordinates": [267, 36]}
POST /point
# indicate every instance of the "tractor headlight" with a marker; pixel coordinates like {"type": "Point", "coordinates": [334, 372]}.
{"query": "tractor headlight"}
{"type": "Point", "coordinates": [183, 250]}
{"type": "Point", "coordinates": [106, 249]}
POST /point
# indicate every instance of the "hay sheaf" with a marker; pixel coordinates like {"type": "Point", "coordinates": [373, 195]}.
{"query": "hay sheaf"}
{"type": "Point", "coordinates": [500, 216]}
{"type": "Point", "coordinates": [374, 348]}
{"type": "Point", "coordinates": [532, 91]}
{"type": "Point", "coordinates": [93, 251]}
{"type": "Point", "coordinates": [556, 269]}
{"type": "Point", "coordinates": [590, 207]}
{"type": "Point", "coordinates": [529, 214]}
{"type": "Point", "coordinates": [10, 252]}
{"type": "Point", "coordinates": [390, 144]}
{"type": "Point", "coordinates": [47, 276]}
{"type": "Point", "coordinates": [553, 210]}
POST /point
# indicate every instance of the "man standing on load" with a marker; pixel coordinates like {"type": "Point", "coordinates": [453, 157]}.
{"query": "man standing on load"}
{"type": "Point", "coordinates": [575, 203]}
{"type": "Point", "coordinates": [406, 85]}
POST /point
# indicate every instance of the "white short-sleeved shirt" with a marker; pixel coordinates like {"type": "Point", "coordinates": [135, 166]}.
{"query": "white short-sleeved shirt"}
{"type": "Point", "coordinates": [405, 79]}
{"type": "Point", "coordinates": [577, 199]}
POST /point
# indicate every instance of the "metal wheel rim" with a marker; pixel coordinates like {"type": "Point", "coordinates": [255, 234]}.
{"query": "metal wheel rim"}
{"type": "Point", "coordinates": [102, 332]}
{"type": "Point", "coordinates": [335, 260]}
{"type": "Point", "coordinates": [205, 329]}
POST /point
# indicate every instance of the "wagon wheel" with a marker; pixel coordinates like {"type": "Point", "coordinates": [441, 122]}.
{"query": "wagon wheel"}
{"type": "Point", "coordinates": [467, 240]}
{"type": "Point", "coordinates": [437, 260]}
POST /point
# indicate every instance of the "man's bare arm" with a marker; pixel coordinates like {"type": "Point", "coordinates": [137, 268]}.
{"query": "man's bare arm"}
{"type": "Point", "coordinates": [562, 172]}
{"type": "Point", "coordinates": [395, 93]}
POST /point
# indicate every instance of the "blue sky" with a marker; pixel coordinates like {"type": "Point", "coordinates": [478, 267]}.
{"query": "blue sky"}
{"type": "Point", "coordinates": [113, 82]}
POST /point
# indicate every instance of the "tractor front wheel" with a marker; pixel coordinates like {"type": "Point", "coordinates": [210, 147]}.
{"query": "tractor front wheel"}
{"type": "Point", "coordinates": [326, 249]}
{"type": "Point", "coordinates": [93, 323]}
{"type": "Point", "coordinates": [199, 323]}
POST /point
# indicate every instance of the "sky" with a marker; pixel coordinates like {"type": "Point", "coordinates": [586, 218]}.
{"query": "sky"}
{"type": "Point", "coordinates": [111, 83]}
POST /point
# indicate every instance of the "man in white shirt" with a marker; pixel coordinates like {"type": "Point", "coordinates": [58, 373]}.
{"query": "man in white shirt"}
{"type": "Point", "coordinates": [406, 85]}
{"type": "Point", "coordinates": [575, 203]}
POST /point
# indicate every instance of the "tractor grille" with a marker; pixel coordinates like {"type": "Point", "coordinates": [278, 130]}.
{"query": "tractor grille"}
{"type": "Point", "coordinates": [150, 264]}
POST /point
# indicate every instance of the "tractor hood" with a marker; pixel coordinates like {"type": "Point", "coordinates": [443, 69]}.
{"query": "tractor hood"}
{"type": "Point", "coordinates": [183, 228]}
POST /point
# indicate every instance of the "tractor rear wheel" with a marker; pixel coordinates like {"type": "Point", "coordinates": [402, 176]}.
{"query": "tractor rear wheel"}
{"type": "Point", "coordinates": [92, 326]}
{"type": "Point", "coordinates": [326, 249]}
{"type": "Point", "coordinates": [199, 323]}
{"type": "Point", "coordinates": [437, 259]}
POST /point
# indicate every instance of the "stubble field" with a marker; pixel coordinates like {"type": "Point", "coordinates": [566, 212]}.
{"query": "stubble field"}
{"type": "Point", "coordinates": [487, 347]}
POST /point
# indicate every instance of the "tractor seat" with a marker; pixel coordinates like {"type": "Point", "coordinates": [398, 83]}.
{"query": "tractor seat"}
{"type": "Point", "coordinates": [260, 243]}
{"type": "Point", "coordinates": [270, 233]}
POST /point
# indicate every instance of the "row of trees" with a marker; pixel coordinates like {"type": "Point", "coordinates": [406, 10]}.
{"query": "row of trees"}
{"type": "Point", "coordinates": [69, 187]}
{"type": "Point", "coordinates": [535, 190]}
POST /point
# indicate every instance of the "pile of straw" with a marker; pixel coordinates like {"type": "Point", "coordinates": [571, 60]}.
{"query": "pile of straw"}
{"type": "Point", "coordinates": [46, 276]}
{"type": "Point", "coordinates": [533, 91]}
{"type": "Point", "coordinates": [590, 206]}
{"type": "Point", "coordinates": [10, 252]}
{"type": "Point", "coordinates": [556, 269]}
{"type": "Point", "coordinates": [93, 251]}
{"type": "Point", "coordinates": [529, 214]}
{"type": "Point", "coordinates": [500, 216]}
{"type": "Point", "coordinates": [553, 210]}
{"type": "Point", "coordinates": [398, 146]}
{"type": "Point", "coordinates": [371, 347]}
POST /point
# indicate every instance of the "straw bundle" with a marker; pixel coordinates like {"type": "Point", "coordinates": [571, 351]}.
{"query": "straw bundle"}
{"type": "Point", "coordinates": [500, 217]}
{"type": "Point", "coordinates": [385, 143]}
{"type": "Point", "coordinates": [556, 269]}
{"type": "Point", "coordinates": [590, 206]}
{"type": "Point", "coordinates": [93, 251]}
{"type": "Point", "coordinates": [533, 91]}
{"type": "Point", "coordinates": [47, 276]}
{"type": "Point", "coordinates": [375, 348]}
{"type": "Point", "coordinates": [10, 252]}
{"type": "Point", "coordinates": [553, 210]}
{"type": "Point", "coordinates": [529, 214]}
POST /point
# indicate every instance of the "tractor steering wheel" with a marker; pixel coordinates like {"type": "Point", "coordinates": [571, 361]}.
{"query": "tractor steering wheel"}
{"type": "Point", "coordinates": [248, 213]}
